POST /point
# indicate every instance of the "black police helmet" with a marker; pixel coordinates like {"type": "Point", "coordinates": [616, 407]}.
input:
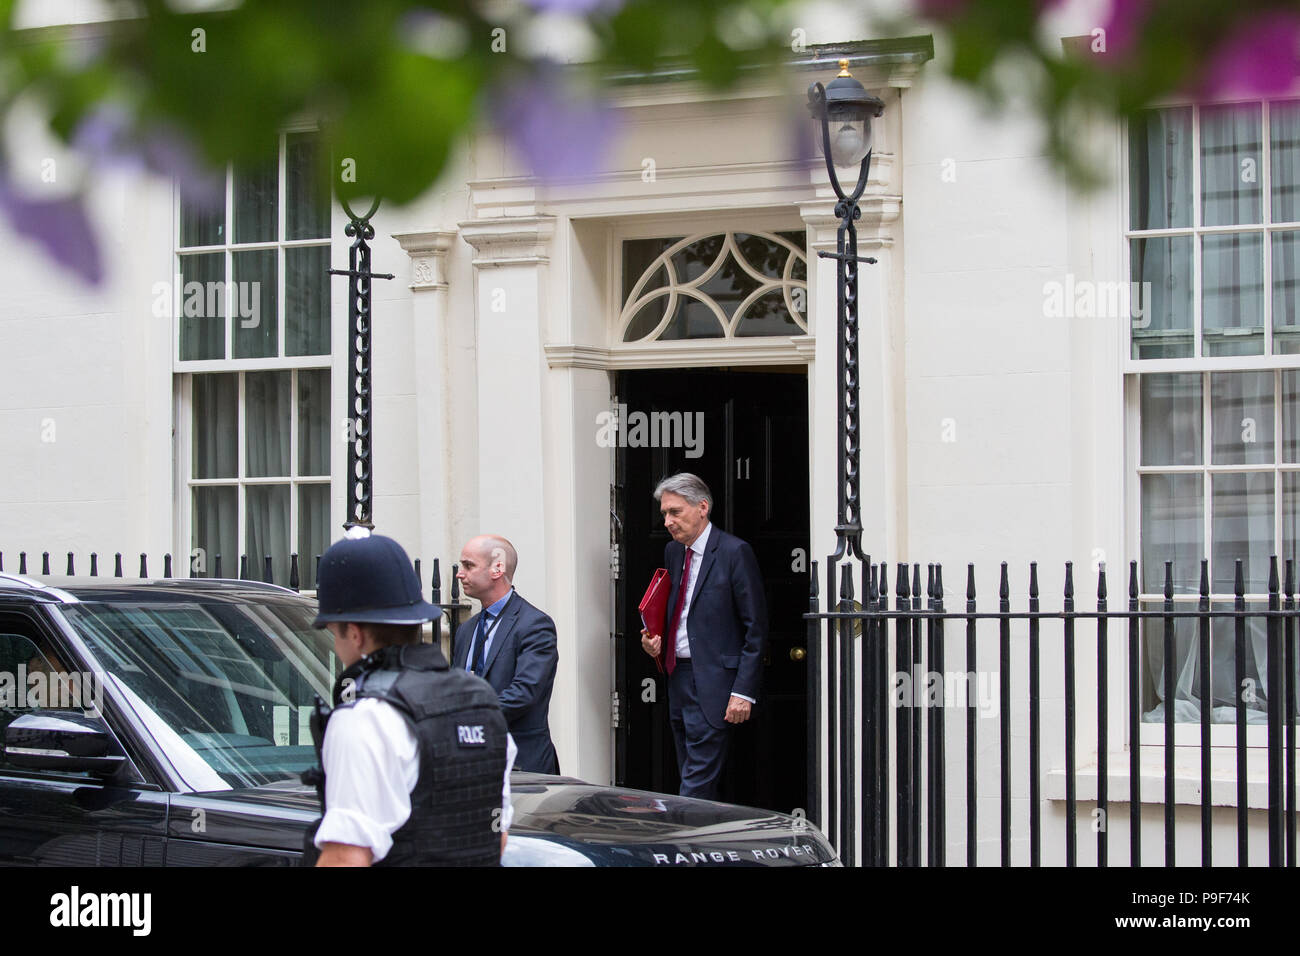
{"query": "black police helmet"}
{"type": "Point", "coordinates": [369, 580]}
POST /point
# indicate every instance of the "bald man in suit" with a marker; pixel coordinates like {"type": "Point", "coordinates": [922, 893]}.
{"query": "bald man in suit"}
{"type": "Point", "coordinates": [511, 645]}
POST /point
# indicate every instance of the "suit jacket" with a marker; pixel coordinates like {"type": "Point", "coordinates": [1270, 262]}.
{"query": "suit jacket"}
{"type": "Point", "coordinates": [520, 666]}
{"type": "Point", "coordinates": [726, 626]}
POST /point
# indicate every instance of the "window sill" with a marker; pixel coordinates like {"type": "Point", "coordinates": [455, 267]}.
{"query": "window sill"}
{"type": "Point", "coordinates": [1187, 778]}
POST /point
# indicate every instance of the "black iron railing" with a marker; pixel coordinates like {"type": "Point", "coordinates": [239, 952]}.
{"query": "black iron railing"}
{"type": "Point", "coordinates": [453, 609]}
{"type": "Point", "coordinates": [877, 776]}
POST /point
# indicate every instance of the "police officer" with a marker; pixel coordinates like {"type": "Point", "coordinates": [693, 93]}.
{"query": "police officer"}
{"type": "Point", "coordinates": [415, 756]}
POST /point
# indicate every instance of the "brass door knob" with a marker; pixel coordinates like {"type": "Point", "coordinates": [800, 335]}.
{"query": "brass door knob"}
{"type": "Point", "coordinates": [797, 653]}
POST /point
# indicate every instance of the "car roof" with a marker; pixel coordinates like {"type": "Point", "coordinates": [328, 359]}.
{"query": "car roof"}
{"type": "Point", "coordinates": [54, 589]}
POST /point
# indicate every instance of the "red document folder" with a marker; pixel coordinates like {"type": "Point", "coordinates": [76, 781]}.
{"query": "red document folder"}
{"type": "Point", "coordinates": [654, 605]}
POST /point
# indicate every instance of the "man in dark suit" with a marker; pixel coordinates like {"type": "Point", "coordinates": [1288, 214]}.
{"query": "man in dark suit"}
{"type": "Point", "coordinates": [712, 646]}
{"type": "Point", "coordinates": [512, 646]}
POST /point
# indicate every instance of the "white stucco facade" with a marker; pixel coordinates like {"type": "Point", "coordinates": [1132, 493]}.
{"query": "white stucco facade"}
{"type": "Point", "coordinates": [991, 431]}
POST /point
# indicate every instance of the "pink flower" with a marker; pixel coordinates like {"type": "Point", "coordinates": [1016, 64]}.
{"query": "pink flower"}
{"type": "Point", "coordinates": [1259, 58]}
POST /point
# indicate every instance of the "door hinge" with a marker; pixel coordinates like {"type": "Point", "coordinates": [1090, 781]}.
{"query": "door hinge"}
{"type": "Point", "coordinates": [615, 718]}
{"type": "Point", "coordinates": [614, 561]}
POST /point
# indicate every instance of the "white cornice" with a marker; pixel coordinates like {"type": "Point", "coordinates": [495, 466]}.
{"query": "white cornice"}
{"type": "Point", "coordinates": [428, 252]}
{"type": "Point", "coordinates": [509, 240]}
{"type": "Point", "coordinates": [778, 350]}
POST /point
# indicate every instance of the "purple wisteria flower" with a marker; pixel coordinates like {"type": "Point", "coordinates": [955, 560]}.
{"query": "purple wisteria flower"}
{"type": "Point", "coordinates": [60, 226]}
{"type": "Point", "coordinates": [1259, 58]}
{"type": "Point", "coordinates": [560, 132]}
{"type": "Point", "coordinates": [580, 8]}
{"type": "Point", "coordinates": [108, 137]}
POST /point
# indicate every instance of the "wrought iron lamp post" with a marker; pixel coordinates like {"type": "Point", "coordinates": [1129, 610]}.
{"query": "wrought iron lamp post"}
{"type": "Point", "coordinates": [843, 110]}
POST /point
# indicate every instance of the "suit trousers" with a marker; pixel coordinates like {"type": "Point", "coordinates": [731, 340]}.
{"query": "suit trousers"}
{"type": "Point", "coordinates": [701, 747]}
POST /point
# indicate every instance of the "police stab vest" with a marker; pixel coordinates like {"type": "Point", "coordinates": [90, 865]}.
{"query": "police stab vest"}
{"type": "Point", "coordinates": [461, 740]}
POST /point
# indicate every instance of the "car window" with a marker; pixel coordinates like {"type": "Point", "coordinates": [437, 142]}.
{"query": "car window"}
{"type": "Point", "coordinates": [33, 677]}
{"type": "Point", "coordinates": [225, 688]}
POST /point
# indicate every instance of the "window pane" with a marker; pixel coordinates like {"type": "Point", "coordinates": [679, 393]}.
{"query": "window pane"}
{"type": "Point", "coordinates": [215, 529]}
{"type": "Point", "coordinates": [267, 518]}
{"type": "Point", "coordinates": [313, 530]}
{"type": "Point", "coordinates": [1186, 673]}
{"type": "Point", "coordinates": [307, 199]}
{"type": "Point", "coordinates": [637, 256]}
{"type": "Point", "coordinates": [253, 302]}
{"type": "Point", "coordinates": [1163, 270]}
{"type": "Point", "coordinates": [1286, 291]}
{"type": "Point", "coordinates": [1291, 415]}
{"type": "Point", "coordinates": [1231, 159]}
{"type": "Point", "coordinates": [307, 301]}
{"type": "Point", "coordinates": [1232, 294]}
{"type": "Point", "coordinates": [313, 422]}
{"type": "Point", "coordinates": [202, 306]}
{"type": "Point", "coordinates": [768, 315]}
{"type": "Point", "coordinates": [256, 203]}
{"type": "Point", "coordinates": [693, 320]}
{"type": "Point", "coordinates": [1172, 530]}
{"type": "Point", "coordinates": [1242, 527]}
{"type": "Point", "coordinates": [647, 319]}
{"type": "Point", "coordinates": [1160, 169]}
{"type": "Point", "coordinates": [1290, 519]}
{"type": "Point", "coordinates": [214, 430]}
{"type": "Point", "coordinates": [267, 424]}
{"type": "Point", "coordinates": [1171, 419]}
{"type": "Point", "coordinates": [203, 225]}
{"type": "Point", "coordinates": [1284, 137]}
{"type": "Point", "coordinates": [1241, 418]}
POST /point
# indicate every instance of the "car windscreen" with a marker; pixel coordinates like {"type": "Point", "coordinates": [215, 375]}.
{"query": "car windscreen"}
{"type": "Point", "coordinates": [225, 688]}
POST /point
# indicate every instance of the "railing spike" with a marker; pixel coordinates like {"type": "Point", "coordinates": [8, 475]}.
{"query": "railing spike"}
{"type": "Point", "coordinates": [71, 572]}
{"type": "Point", "coordinates": [295, 583]}
{"type": "Point", "coordinates": [243, 567]}
{"type": "Point", "coordinates": [1205, 577]}
{"type": "Point", "coordinates": [216, 565]}
{"type": "Point", "coordinates": [45, 562]}
{"type": "Point", "coordinates": [144, 567]}
{"type": "Point", "coordinates": [117, 564]}
{"type": "Point", "coordinates": [1133, 580]}
{"type": "Point", "coordinates": [1290, 576]}
{"type": "Point", "coordinates": [437, 581]}
{"type": "Point", "coordinates": [1101, 580]}
{"type": "Point", "coordinates": [900, 585]}
{"type": "Point", "coordinates": [1033, 579]}
{"type": "Point", "coordinates": [1169, 579]}
{"type": "Point", "coordinates": [1004, 587]}
{"type": "Point", "coordinates": [167, 565]}
{"type": "Point", "coordinates": [22, 562]}
{"type": "Point", "coordinates": [1069, 579]}
{"type": "Point", "coordinates": [970, 582]}
{"type": "Point", "coordinates": [268, 574]}
{"type": "Point", "coordinates": [1273, 582]}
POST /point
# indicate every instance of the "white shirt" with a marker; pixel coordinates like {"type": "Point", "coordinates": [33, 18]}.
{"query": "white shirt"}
{"type": "Point", "coordinates": [697, 546]}
{"type": "Point", "coordinates": [371, 762]}
{"type": "Point", "coordinates": [683, 643]}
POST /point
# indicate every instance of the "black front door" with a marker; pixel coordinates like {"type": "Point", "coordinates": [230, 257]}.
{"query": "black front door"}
{"type": "Point", "coordinates": [747, 437]}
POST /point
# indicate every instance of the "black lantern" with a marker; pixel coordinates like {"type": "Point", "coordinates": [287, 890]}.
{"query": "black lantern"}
{"type": "Point", "coordinates": [845, 110]}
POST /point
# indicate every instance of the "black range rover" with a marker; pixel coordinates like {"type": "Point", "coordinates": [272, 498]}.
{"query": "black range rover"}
{"type": "Point", "coordinates": [166, 723]}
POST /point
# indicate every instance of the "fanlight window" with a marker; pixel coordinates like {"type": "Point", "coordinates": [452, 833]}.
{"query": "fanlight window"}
{"type": "Point", "coordinates": [720, 285]}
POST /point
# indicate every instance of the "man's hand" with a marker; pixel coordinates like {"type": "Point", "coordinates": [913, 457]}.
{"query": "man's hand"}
{"type": "Point", "coordinates": [344, 854]}
{"type": "Point", "coordinates": [651, 645]}
{"type": "Point", "coordinates": [737, 710]}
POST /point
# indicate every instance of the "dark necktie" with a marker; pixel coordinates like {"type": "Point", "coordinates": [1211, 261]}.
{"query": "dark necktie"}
{"type": "Point", "coordinates": [670, 638]}
{"type": "Point", "coordinates": [476, 665]}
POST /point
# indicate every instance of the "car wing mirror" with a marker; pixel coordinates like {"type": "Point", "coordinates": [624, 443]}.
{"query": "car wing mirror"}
{"type": "Point", "coordinates": [62, 740]}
